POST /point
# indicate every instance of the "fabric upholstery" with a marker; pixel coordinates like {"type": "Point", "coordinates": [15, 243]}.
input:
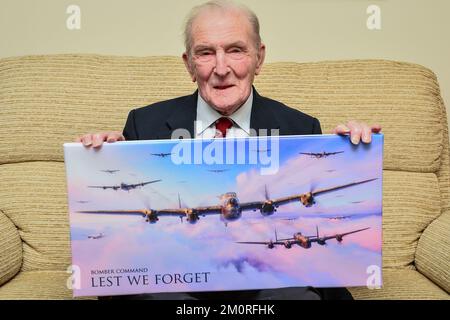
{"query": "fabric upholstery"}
{"type": "Point", "coordinates": [400, 284]}
{"type": "Point", "coordinates": [38, 285]}
{"type": "Point", "coordinates": [48, 100]}
{"type": "Point", "coordinates": [10, 249]}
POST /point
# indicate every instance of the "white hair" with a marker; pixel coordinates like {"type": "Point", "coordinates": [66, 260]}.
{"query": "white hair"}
{"type": "Point", "coordinates": [223, 5]}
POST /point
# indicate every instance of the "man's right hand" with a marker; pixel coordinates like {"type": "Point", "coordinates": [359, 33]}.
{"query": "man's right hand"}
{"type": "Point", "coordinates": [96, 139]}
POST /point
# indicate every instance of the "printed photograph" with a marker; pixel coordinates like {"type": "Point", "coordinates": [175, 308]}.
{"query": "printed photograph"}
{"type": "Point", "coordinates": [314, 221]}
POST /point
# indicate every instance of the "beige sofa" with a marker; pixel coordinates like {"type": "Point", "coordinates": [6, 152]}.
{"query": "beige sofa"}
{"type": "Point", "coordinates": [48, 100]}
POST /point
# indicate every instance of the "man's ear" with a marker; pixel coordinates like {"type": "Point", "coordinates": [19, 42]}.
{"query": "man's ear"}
{"type": "Point", "coordinates": [187, 64]}
{"type": "Point", "coordinates": [261, 55]}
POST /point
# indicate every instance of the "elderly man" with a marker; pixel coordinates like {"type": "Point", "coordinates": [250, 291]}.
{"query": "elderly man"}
{"type": "Point", "coordinates": [223, 55]}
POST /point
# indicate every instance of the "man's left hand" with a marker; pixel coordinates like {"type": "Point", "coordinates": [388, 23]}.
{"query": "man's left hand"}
{"type": "Point", "coordinates": [358, 131]}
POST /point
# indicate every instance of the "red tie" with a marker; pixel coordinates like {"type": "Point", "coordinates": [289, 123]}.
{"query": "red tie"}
{"type": "Point", "coordinates": [222, 125]}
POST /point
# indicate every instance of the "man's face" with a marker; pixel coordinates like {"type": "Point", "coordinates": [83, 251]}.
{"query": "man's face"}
{"type": "Point", "coordinates": [223, 58]}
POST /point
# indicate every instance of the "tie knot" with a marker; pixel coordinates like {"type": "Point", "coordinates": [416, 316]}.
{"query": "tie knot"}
{"type": "Point", "coordinates": [222, 125]}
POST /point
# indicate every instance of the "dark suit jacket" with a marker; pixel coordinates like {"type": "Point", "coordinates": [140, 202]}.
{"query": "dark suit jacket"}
{"type": "Point", "coordinates": [159, 120]}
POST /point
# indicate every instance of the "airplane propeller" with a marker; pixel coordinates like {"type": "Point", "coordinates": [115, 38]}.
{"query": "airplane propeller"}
{"type": "Point", "coordinates": [266, 193]}
{"type": "Point", "coordinates": [312, 190]}
{"type": "Point", "coordinates": [320, 240]}
{"type": "Point", "coordinates": [179, 207]}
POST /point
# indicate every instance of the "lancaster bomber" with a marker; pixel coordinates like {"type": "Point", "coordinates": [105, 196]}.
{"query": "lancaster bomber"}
{"type": "Point", "coordinates": [110, 171]}
{"type": "Point", "coordinates": [302, 240]}
{"type": "Point", "coordinates": [340, 217]}
{"type": "Point", "coordinates": [321, 154]}
{"type": "Point", "coordinates": [161, 155]}
{"type": "Point", "coordinates": [125, 186]}
{"type": "Point", "coordinates": [96, 236]}
{"type": "Point", "coordinates": [218, 170]}
{"type": "Point", "coordinates": [230, 209]}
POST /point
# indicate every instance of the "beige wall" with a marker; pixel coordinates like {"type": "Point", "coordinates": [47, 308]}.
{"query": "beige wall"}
{"type": "Point", "coordinates": [296, 30]}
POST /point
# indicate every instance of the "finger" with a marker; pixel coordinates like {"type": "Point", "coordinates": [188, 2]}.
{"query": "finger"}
{"type": "Point", "coordinates": [97, 139]}
{"type": "Point", "coordinates": [87, 140]}
{"type": "Point", "coordinates": [78, 139]}
{"type": "Point", "coordinates": [114, 136]}
{"type": "Point", "coordinates": [355, 132]}
{"type": "Point", "coordinates": [366, 135]}
{"type": "Point", "coordinates": [341, 129]}
{"type": "Point", "coordinates": [376, 128]}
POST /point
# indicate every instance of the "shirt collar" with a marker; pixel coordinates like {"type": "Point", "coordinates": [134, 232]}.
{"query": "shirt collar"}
{"type": "Point", "coordinates": [207, 115]}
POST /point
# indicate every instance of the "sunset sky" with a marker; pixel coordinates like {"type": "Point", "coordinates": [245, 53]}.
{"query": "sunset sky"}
{"type": "Point", "coordinates": [170, 246]}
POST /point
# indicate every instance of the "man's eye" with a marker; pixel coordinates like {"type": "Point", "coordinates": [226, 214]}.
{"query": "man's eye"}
{"type": "Point", "coordinates": [205, 53]}
{"type": "Point", "coordinates": [235, 50]}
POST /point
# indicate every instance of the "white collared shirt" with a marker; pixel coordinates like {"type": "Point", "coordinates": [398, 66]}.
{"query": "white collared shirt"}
{"type": "Point", "coordinates": [205, 127]}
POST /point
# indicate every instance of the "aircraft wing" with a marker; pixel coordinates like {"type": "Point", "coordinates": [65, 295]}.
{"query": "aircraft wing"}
{"type": "Point", "coordinates": [309, 154]}
{"type": "Point", "coordinates": [281, 201]}
{"type": "Point", "coordinates": [142, 184]}
{"type": "Point", "coordinates": [322, 191]}
{"type": "Point", "coordinates": [276, 202]}
{"type": "Point", "coordinates": [256, 205]}
{"type": "Point", "coordinates": [261, 242]}
{"type": "Point", "coordinates": [105, 187]}
{"type": "Point", "coordinates": [251, 205]}
{"type": "Point", "coordinates": [138, 212]}
{"type": "Point", "coordinates": [284, 200]}
{"type": "Point", "coordinates": [288, 239]}
{"type": "Point", "coordinates": [342, 234]}
{"type": "Point", "coordinates": [116, 212]}
{"type": "Point", "coordinates": [202, 211]}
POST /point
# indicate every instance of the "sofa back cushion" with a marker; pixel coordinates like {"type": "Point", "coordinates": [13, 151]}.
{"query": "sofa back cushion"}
{"type": "Point", "coordinates": [48, 100]}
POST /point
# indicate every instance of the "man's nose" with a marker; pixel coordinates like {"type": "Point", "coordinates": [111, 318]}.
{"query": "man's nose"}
{"type": "Point", "coordinates": [221, 68]}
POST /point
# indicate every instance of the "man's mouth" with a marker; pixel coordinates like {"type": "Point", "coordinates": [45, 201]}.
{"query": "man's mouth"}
{"type": "Point", "coordinates": [224, 87]}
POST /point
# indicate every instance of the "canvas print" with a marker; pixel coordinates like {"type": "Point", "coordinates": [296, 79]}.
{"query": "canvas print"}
{"type": "Point", "coordinates": [224, 214]}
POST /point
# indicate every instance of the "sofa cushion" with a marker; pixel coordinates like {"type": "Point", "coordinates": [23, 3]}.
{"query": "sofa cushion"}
{"type": "Point", "coordinates": [10, 249]}
{"type": "Point", "coordinates": [402, 97]}
{"type": "Point", "coordinates": [410, 202]}
{"type": "Point", "coordinates": [398, 284]}
{"type": "Point", "coordinates": [38, 285]}
{"type": "Point", "coordinates": [433, 254]}
{"type": "Point", "coordinates": [48, 100]}
{"type": "Point", "coordinates": [402, 285]}
{"type": "Point", "coordinates": [33, 196]}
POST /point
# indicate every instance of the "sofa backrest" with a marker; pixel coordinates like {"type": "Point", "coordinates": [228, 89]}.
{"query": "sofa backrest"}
{"type": "Point", "coordinates": [48, 100]}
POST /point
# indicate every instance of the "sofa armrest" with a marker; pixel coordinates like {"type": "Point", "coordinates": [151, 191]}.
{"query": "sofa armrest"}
{"type": "Point", "coordinates": [10, 249]}
{"type": "Point", "coordinates": [433, 251]}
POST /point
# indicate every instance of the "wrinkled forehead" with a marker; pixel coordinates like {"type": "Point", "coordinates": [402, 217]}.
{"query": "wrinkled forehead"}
{"type": "Point", "coordinates": [220, 26]}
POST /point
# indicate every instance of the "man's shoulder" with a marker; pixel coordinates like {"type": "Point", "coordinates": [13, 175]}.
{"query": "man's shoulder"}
{"type": "Point", "coordinates": [289, 120]}
{"type": "Point", "coordinates": [162, 108]}
{"type": "Point", "coordinates": [281, 110]}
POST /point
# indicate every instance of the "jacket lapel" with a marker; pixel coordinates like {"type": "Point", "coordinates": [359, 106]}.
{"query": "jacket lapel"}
{"type": "Point", "coordinates": [262, 116]}
{"type": "Point", "coordinates": [183, 117]}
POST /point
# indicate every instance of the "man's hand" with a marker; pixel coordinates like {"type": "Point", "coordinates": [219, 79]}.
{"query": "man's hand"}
{"type": "Point", "coordinates": [96, 140]}
{"type": "Point", "coordinates": [358, 131]}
